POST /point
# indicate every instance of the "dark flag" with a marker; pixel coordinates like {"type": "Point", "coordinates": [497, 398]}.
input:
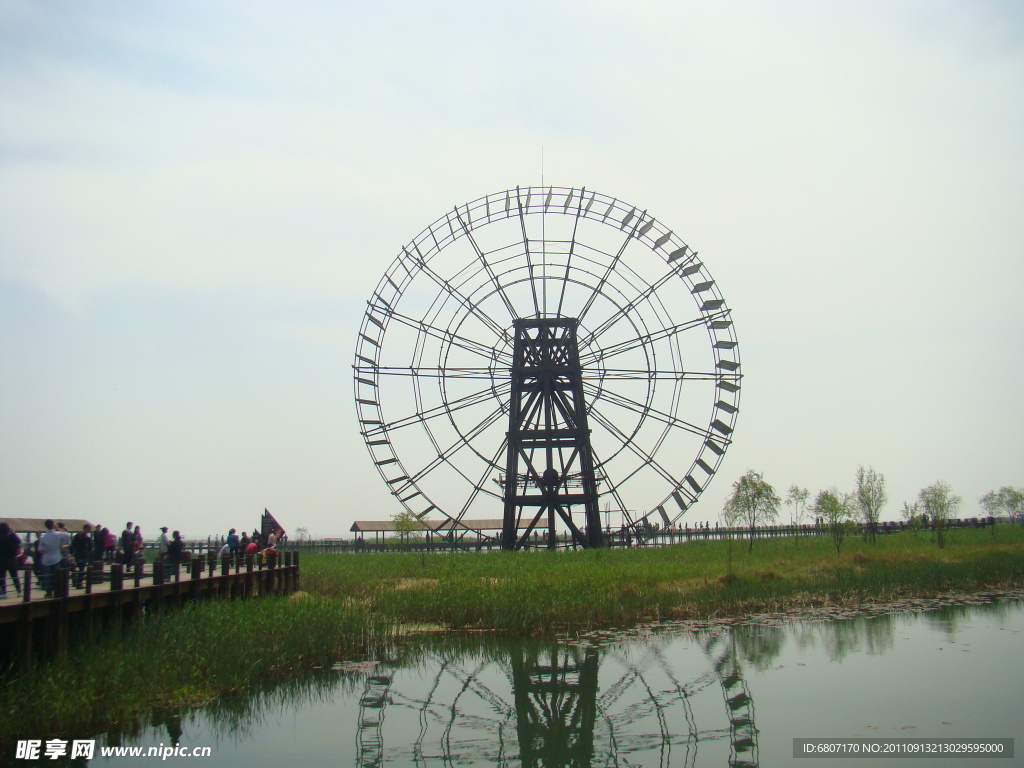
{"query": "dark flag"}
{"type": "Point", "coordinates": [269, 524]}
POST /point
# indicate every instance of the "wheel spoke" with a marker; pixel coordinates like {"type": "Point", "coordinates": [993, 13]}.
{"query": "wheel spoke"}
{"type": "Point", "coordinates": [636, 374]}
{"type": "Point", "coordinates": [645, 411]}
{"type": "Point", "coordinates": [647, 459]}
{"type": "Point", "coordinates": [635, 343]}
{"type": "Point", "coordinates": [608, 271]}
{"type": "Point", "coordinates": [613, 486]}
{"type": "Point", "coordinates": [623, 311]}
{"type": "Point", "coordinates": [463, 300]}
{"type": "Point", "coordinates": [572, 252]}
{"type": "Point", "coordinates": [463, 441]}
{"type": "Point", "coordinates": [491, 353]}
{"type": "Point", "coordinates": [529, 261]}
{"type": "Point", "coordinates": [436, 373]}
{"type": "Point", "coordinates": [487, 268]}
{"type": "Point", "coordinates": [465, 401]}
{"type": "Point", "coordinates": [480, 486]}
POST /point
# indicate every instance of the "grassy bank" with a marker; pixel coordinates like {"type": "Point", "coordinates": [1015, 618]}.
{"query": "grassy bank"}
{"type": "Point", "coordinates": [178, 659]}
{"type": "Point", "coordinates": [536, 593]}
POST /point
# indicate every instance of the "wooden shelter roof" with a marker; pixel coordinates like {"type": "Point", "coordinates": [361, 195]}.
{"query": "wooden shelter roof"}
{"type": "Point", "coordinates": [38, 524]}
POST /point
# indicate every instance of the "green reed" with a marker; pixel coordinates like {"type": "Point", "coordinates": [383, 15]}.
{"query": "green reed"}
{"type": "Point", "coordinates": [540, 592]}
{"type": "Point", "coordinates": [178, 659]}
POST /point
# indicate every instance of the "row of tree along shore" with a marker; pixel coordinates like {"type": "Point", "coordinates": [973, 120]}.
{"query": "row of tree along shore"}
{"type": "Point", "coordinates": [754, 502]}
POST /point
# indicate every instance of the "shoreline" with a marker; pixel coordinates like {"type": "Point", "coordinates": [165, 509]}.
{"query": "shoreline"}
{"type": "Point", "coordinates": [835, 612]}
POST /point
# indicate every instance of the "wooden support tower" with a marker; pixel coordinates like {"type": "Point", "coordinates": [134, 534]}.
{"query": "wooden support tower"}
{"type": "Point", "coordinates": [550, 464]}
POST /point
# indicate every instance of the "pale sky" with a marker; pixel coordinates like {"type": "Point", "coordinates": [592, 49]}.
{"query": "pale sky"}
{"type": "Point", "coordinates": [198, 199]}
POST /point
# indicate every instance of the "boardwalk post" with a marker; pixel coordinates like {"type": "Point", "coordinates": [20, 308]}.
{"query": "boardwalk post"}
{"type": "Point", "coordinates": [27, 581]}
{"type": "Point", "coordinates": [137, 597]}
{"type": "Point", "coordinates": [89, 617]}
{"type": "Point", "coordinates": [115, 606]}
{"type": "Point", "coordinates": [158, 585]}
{"type": "Point", "coordinates": [225, 571]}
{"type": "Point", "coordinates": [196, 570]}
{"type": "Point", "coordinates": [58, 618]}
{"type": "Point", "coordinates": [176, 594]}
{"type": "Point", "coordinates": [249, 577]}
{"type": "Point", "coordinates": [270, 575]}
{"type": "Point", "coordinates": [25, 640]}
{"type": "Point", "coordinates": [116, 577]}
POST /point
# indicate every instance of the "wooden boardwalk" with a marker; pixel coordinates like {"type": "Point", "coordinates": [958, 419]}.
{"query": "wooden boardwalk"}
{"type": "Point", "coordinates": [31, 623]}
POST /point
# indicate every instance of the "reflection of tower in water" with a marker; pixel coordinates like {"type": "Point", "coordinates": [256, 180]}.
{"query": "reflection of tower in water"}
{"type": "Point", "coordinates": [738, 704]}
{"type": "Point", "coordinates": [556, 704]}
{"type": "Point", "coordinates": [370, 747]}
{"type": "Point", "coordinates": [543, 704]}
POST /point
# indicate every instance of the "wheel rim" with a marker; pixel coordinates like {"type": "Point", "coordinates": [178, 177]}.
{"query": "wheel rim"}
{"type": "Point", "coordinates": [658, 347]}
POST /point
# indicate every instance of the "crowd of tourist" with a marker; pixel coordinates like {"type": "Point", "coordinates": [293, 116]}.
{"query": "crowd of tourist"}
{"type": "Point", "coordinates": [58, 547]}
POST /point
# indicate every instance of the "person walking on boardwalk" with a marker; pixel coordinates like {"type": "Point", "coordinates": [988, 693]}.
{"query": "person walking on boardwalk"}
{"type": "Point", "coordinates": [51, 547]}
{"type": "Point", "coordinates": [232, 542]}
{"type": "Point", "coordinates": [163, 543]}
{"type": "Point", "coordinates": [109, 545]}
{"type": "Point", "coordinates": [81, 550]}
{"type": "Point", "coordinates": [97, 542]}
{"type": "Point", "coordinates": [127, 544]}
{"type": "Point", "coordinates": [10, 558]}
{"type": "Point", "coordinates": [176, 549]}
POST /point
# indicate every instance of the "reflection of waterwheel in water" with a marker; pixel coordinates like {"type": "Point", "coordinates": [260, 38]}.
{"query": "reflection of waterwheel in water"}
{"type": "Point", "coordinates": [543, 706]}
{"type": "Point", "coordinates": [640, 394]}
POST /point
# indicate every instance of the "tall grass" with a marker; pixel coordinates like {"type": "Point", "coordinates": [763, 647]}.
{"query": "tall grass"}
{"type": "Point", "coordinates": [536, 593]}
{"type": "Point", "coordinates": [179, 659]}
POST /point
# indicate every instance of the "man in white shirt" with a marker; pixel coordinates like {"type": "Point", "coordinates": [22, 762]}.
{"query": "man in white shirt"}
{"type": "Point", "coordinates": [52, 546]}
{"type": "Point", "coordinates": [163, 542]}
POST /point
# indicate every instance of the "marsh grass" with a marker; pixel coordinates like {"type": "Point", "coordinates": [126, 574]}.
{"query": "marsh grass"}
{"type": "Point", "coordinates": [185, 658]}
{"type": "Point", "coordinates": [538, 593]}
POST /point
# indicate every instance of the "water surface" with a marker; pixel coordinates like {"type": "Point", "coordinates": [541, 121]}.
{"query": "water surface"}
{"type": "Point", "coordinates": [726, 694]}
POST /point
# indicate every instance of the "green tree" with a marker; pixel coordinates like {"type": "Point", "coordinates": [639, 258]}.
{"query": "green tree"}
{"type": "Point", "coordinates": [992, 508]}
{"type": "Point", "coordinates": [1011, 500]}
{"type": "Point", "coordinates": [1006, 501]}
{"type": "Point", "coordinates": [753, 501]}
{"type": "Point", "coordinates": [870, 496]}
{"type": "Point", "coordinates": [939, 503]}
{"type": "Point", "coordinates": [990, 504]}
{"type": "Point", "coordinates": [796, 500]}
{"type": "Point", "coordinates": [406, 525]}
{"type": "Point", "coordinates": [910, 514]}
{"type": "Point", "coordinates": [836, 511]}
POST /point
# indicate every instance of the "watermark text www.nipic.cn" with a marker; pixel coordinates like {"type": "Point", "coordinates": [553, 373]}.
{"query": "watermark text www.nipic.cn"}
{"type": "Point", "coordinates": [36, 749]}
